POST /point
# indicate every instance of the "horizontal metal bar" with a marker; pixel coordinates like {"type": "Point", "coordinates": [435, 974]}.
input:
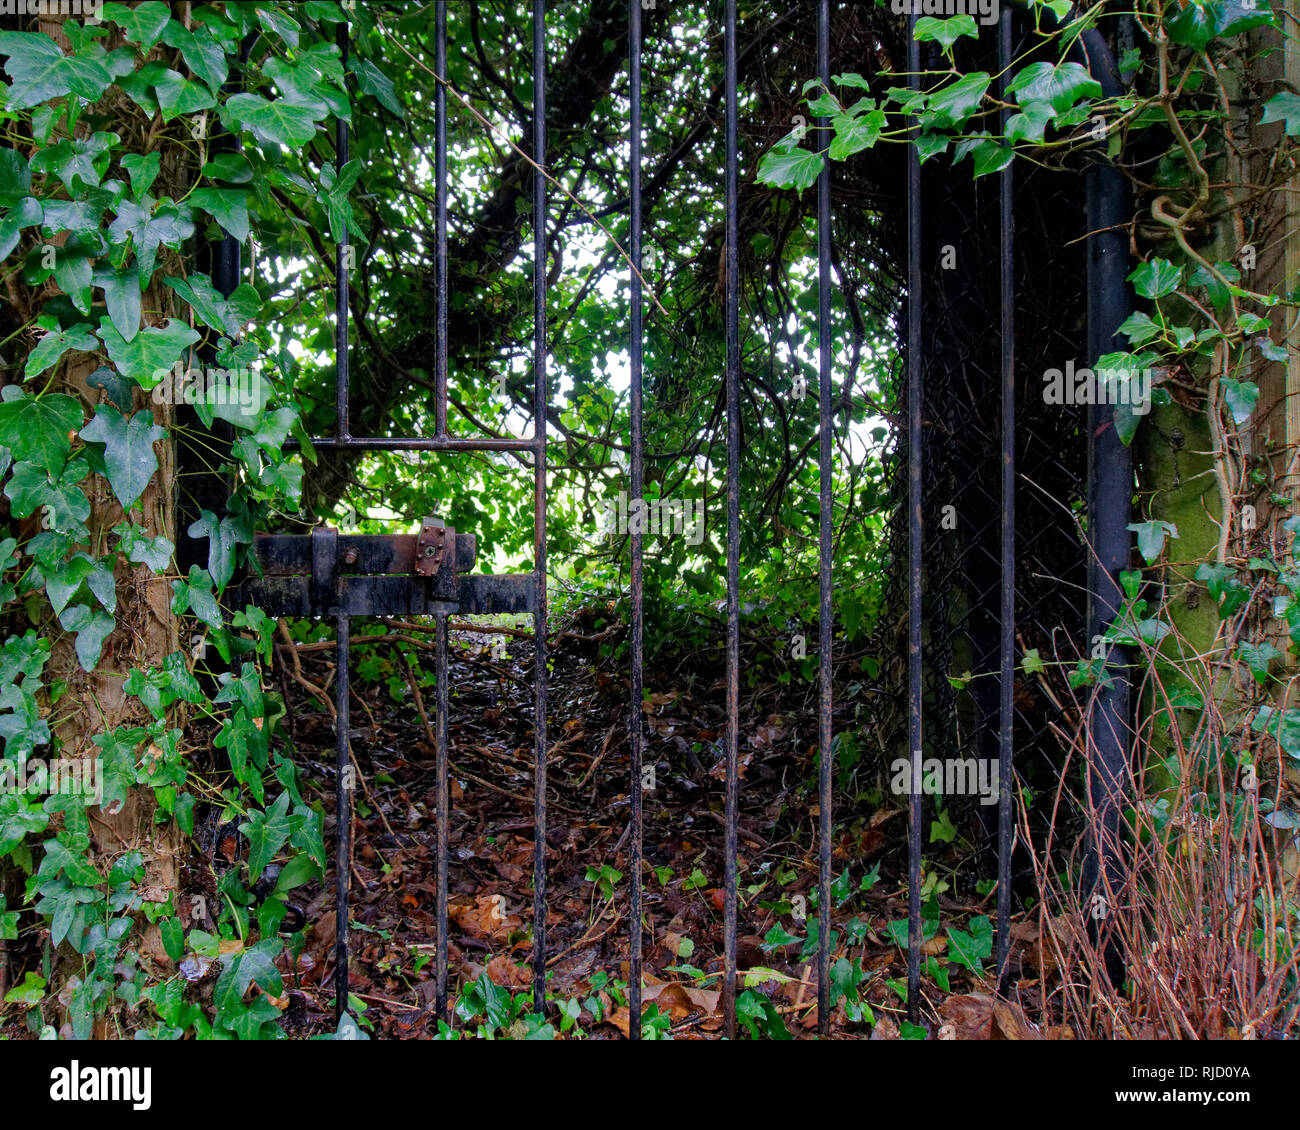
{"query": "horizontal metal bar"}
{"type": "Point", "coordinates": [477, 594]}
{"type": "Point", "coordinates": [358, 554]}
{"type": "Point", "coordinates": [415, 443]}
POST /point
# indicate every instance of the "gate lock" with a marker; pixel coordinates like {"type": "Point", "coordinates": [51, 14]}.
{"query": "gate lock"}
{"type": "Point", "coordinates": [329, 573]}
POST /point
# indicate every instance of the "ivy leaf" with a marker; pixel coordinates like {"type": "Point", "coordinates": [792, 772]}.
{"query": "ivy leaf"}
{"type": "Point", "coordinates": [142, 23]}
{"type": "Point", "coordinates": [1151, 537]}
{"type": "Point", "coordinates": [149, 356]}
{"type": "Point", "coordinates": [1257, 658]}
{"type": "Point", "coordinates": [1032, 663]}
{"type": "Point", "coordinates": [77, 161]}
{"type": "Point", "coordinates": [790, 167]}
{"type": "Point", "coordinates": [971, 949]}
{"type": "Point", "coordinates": [53, 345]}
{"type": "Point", "coordinates": [122, 298]}
{"type": "Point", "coordinates": [65, 507]}
{"type": "Point", "coordinates": [39, 430]}
{"type": "Point", "coordinates": [230, 167]}
{"type": "Point", "coordinates": [267, 833]}
{"type": "Point", "coordinates": [15, 177]}
{"type": "Point", "coordinates": [39, 71]}
{"type": "Point", "coordinates": [1284, 107]}
{"type": "Point", "coordinates": [378, 85]}
{"type": "Point", "coordinates": [18, 820]}
{"type": "Point", "coordinates": [945, 32]}
{"type": "Point", "coordinates": [225, 315]}
{"type": "Point", "coordinates": [129, 456]}
{"type": "Point", "coordinates": [142, 168]}
{"type": "Point", "coordinates": [142, 549]}
{"type": "Point", "coordinates": [203, 54]}
{"type": "Point", "coordinates": [1156, 278]}
{"type": "Point", "coordinates": [280, 122]}
{"type": "Point", "coordinates": [177, 95]}
{"type": "Point", "coordinates": [950, 107]}
{"type": "Point", "coordinates": [1060, 85]}
{"type": "Point", "coordinates": [228, 206]}
{"type": "Point", "coordinates": [25, 214]}
{"type": "Point", "coordinates": [1030, 124]}
{"type": "Point", "coordinates": [150, 224]}
{"type": "Point", "coordinates": [93, 627]}
{"type": "Point", "coordinates": [854, 133]}
{"type": "Point", "coordinates": [1241, 397]}
{"type": "Point", "coordinates": [223, 536]}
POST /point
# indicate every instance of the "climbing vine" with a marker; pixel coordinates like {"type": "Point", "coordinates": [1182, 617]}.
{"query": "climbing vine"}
{"type": "Point", "coordinates": [129, 142]}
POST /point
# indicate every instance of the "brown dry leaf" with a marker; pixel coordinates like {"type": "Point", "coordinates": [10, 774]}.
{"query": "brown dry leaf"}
{"type": "Point", "coordinates": [509, 974]}
{"type": "Point", "coordinates": [885, 1029]}
{"type": "Point", "coordinates": [971, 1016]}
{"type": "Point", "coordinates": [935, 945]}
{"type": "Point", "coordinates": [621, 1019]}
{"type": "Point", "coordinates": [1012, 1023]}
{"type": "Point", "coordinates": [1058, 1032]}
{"type": "Point", "coordinates": [681, 1001]}
{"type": "Point", "coordinates": [485, 917]}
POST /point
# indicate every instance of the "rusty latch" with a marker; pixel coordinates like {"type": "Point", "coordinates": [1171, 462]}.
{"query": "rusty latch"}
{"type": "Point", "coordinates": [430, 547]}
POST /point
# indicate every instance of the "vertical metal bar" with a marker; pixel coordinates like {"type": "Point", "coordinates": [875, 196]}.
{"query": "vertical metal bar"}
{"type": "Point", "coordinates": [342, 428]}
{"type": "Point", "coordinates": [343, 766]}
{"type": "Point", "coordinates": [914, 403]}
{"type": "Point", "coordinates": [343, 816]}
{"type": "Point", "coordinates": [440, 189]}
{"type": "Point", "coordinates": [444, 811]}
{"type": "Point", "coordinates": [825, 469]}
{"type": "Point", "coordinates": [635, 736]}
{"type": "Point", "coordinates": [1008, 642]}
{"type": "Point", "coordinates": [1110, 494]}
{"type": "Point", "coordinates": [732, 318]}
{"type": "Point", "coordinates": [539, 502]}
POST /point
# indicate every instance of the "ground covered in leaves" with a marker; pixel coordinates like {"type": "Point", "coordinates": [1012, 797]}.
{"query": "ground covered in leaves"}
{"type": "Point", "coordinates": [393, 920]}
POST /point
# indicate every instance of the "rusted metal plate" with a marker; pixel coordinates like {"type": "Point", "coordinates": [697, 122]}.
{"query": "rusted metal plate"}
{"type": "Point", "coordinates": [431, 546]}
{"type": "Point", "coordinates": [364, 554]}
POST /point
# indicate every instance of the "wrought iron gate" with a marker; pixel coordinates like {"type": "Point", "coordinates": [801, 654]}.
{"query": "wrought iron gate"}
{"type": "Point", "coordinates": [328, 574]}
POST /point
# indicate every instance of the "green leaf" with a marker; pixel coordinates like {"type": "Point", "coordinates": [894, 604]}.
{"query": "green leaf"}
{"type": "Point", "coordinates": [378, 85]}
{"type": "Point", "coordinates": [854, 133]}
{"type": "Point", "coordinates": [149, 356]}
{"type": "Point", "coordinates": [952, 106]}
{"type": "Point", "coordinates": [129, 456]}
{"type": "Point", "coordinates": [267, 833]}
{"type": "Point", "coordinates": [228, 206]}
{"type": "Point", "coordinates": [1241, 397]}
{"type": "Point", "coordinates": [39, 71]}
{"type": "Point", "coordinates": [150, 224]}
{"type": "Point", "coordinates": [122, 298]}
{"type": "Point", "coordinates": [1032, 663]}
{"type": "Point", "coordinates": [178, 95]}
{"type": "Point", "coordinates": [230, 167]}
{"type": "Point", "coordinates": [39, 430]}
{"type": "Point", "coordinates": [1060, 85]}
{"type": "Point", "coordinates": [790, 167]}
{"type": "Point", "coordinates": [25, 214]}
{"type": "Point", "coordinates": [1257, 657]}
{"type": "Point", "coordinates": [142, 23]}
{"type": "Point", "coordinates": [142, 168]}
{"type": "Point", "coordinates": [53, 345]}
{"type": "Point", "coordinates": [945, 32]}
{"type": "Point", "coordinates": [1156, 278]}
{"type": "Point", "coordinates": [1284, 107]}
{"type": "Point", "coordinates": [15, 177]}
{"type": "Point", "coordinates": [1151, 537]}
{"type": "Point", "coordinates": [275, 123]}
{"type": "Point", "coordinates": [30, 992]}
{"type": "Point", "coordinates": [77, 161]}
{"type": "Point", "coordinates": [971, 948]}
{"type": "Point", "coordinates": [93, 627]}
{"type": "Point", "coordinates": [226, 315]}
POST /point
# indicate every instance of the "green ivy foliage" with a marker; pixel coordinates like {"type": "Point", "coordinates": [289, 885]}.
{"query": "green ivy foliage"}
{"type": "Point", "coordinates": [89, 128]}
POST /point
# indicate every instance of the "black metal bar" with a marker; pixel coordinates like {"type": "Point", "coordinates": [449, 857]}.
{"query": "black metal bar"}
{"type": "Point", "coordinates": [914, 536]}
{"type": "Point", "coordinates": [825, 470]}
{"type": "Point", "coordinates": [539, 503]}
{"type": "Point", "coordinates": [415, 443]}
{"type": "Point", "coordinates": [638, 628]}
{"type": "Point", "coordinates": [732, 319]}
{"type": "Point", "coordinates": [443, 810]}
{"type": "Point", "coordinates": [1006, 718]}
{"type": "Point", "coordinates": [1110, 494]}
{"type": "Point", "coordinates": [341, 426]}
{"type": "Point", "coordinates": [440, 190]}
{"type": "Point", "coordinates": [343, 816]}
